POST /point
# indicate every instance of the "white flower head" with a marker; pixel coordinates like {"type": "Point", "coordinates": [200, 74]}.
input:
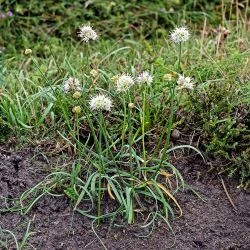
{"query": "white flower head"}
{"type": "Point", "coordinates": [72, 84]}
{"type": "Point", "coordinates": [145, 78]}
{"type": "Point", "coordinates": [185, 82]}
{"type": "Point", "coordinates": [86, 33]}
{"type": "Point", "coordinates": [100, 102]}
{"type": "Point", "coordinates": [180, 34]}
{"type": "Point", "coordinates": [123, 83]}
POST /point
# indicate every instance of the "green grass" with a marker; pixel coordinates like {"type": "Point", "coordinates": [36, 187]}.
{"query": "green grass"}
{"type": "Point", "coordinates": [127, 150]}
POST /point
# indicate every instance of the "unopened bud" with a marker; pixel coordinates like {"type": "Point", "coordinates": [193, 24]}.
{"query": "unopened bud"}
{"type": "Point", "coordinates": [77, 95]}
{"type": "Point", "coordinates": [131, 105]}
{"type": "Point", "coordinates": [167, 77]}
{"type": "Point", "coordinates": [94, 73]}
{"type": "Point", "coordinates": [28, 51]}
{"type": "Point", "coordinates": [77, 110]}
{"type": "Point", "coordinates": [115, 78]}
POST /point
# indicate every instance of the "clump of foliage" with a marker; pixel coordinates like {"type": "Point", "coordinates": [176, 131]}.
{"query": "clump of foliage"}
{"type": "Point", "coordinates": [220, 112]}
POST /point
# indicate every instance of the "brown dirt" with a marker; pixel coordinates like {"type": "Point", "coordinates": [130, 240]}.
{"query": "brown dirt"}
{"type": "Point", "coordinates": [205, 225]}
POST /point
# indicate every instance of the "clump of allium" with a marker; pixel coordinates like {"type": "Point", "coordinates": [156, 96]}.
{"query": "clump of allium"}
{"type": "Point", "coordinates": [180, 34]}
{"type": "Point", "coordinates": [124, 83]}
{"type": "Point", "coordinates": [100, 102]}
{"type": "Point", "coordinates": [185, 82]}
{"type": "Point", "coordinates": [145, 78]}
{"type": "Point", "coordinates": [86, 33]}
{"type": "Point", "coordinates": [72, 84]}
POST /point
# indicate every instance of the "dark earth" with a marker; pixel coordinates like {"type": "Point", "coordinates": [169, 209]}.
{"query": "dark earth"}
{"type": "Point", "coordinates": [213, 224]}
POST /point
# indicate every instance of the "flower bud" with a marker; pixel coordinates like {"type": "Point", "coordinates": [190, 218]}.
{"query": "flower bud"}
{"type": "Point", "coordinates": [94, 73]}
{"type": "Point", "coordinates": [28, 51]}
{"type": "Point", "coordinates": [115, 78]}
{"type": "Point", "coordinates": [131, 105]}
{"type": "Point", "coordinates": [167, 77]}
{"type": "Point", "coordinates": [77, 95]}
{"type": "Point", "coordinates": [77, 110]}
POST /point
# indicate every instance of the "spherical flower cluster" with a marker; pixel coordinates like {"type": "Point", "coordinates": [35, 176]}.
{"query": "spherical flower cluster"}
{"type": "Point", "coordinates": [185, 82]}
{"type": "Point", "coordinates": [180, 34]}
{"type": "Point", "coordinates": [86, 33]}
{"type": "Point", "coordinates": [145, 78]}
{"type": "Point", "coordinates": [72, 84]}
{"type": "Point", "coordinates": [123, 83]}
{"type": "Point", "coordinates": [100, 102]}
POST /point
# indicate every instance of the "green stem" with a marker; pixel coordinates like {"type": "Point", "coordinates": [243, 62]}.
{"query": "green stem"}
{"type": "Point", "coordinates": [124, 125]}
{"type": "Point", "coordinates": [130, 139]}
{"type": "Point", "coordinates": [101, 164]}
{"type": "Point", "coordinates": [143, 126]}
{"type": "Point", "coordinates": [77, 127]}
{"type": "Point", "coordinates": [104, 132]}
{"type": "Point", "coordinates": [99, 197]}
{"type": "Point", "coordinates": [87, 55]}
{"type": "Point", "coordinates": [179, 59]}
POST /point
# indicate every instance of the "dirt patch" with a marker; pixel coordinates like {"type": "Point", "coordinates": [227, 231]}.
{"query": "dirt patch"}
{"type": "Point", "coordinates": [205, 225]}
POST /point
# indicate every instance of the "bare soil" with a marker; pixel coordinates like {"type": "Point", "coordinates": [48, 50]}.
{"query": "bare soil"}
{"type": "Point", "coordinates": [213, 224]}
